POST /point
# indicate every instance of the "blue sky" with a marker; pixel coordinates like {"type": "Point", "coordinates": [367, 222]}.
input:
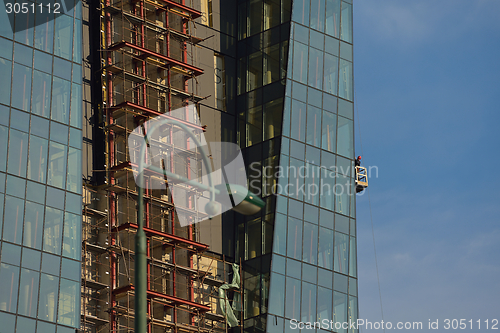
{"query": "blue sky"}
{"type": "Point", "coordinates": [427, 84]}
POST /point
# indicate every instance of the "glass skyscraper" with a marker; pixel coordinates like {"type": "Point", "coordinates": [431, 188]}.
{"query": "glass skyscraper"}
{"type": "Point", "coordinates": [40, 170]}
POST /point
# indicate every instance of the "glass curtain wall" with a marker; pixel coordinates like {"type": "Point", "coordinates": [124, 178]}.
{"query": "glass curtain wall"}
{"type": "Point", "coordinates": [313, 276]}
{"type": "Point", "coordinates": [40, 171]}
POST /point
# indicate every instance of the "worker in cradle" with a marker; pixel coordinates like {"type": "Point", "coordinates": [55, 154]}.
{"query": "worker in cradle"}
{"type": "Point", "coordinates": [357, 162]}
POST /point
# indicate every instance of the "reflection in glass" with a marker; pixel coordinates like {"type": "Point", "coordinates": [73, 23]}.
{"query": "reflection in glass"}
{"type": "Point", "coordinates": [299, 65]}
{"type": "Point", "coordinates": [69, 303]}
{"type": "Point", "coordinates": [300, 11]}
{"type": "Point", "coordinates": [52, 232]}
{"type": "Point", "coordinates": [330, 74]}
{"type": "Point", "coordinates": [14, 214]}
{"type": "Point", "coordinates": [5, 74]}
{"type": "Point", "coordinates": [329, 125]}
{"type": "Point", "coordinates": [279, 244]}
{"type": "Point", "coordinates": [310, 243]}
{"type": "Point", "coordinates": [352, 257]}
{"type": "Point", "coordinates": [342, 193]}
{"type": "Point", "coordinates": [255, 22]}
{"type": "Point", "coordinates": [254, 233]}
{"type": "Point", "coordinates": [340, 308]}
{"type": "Point", "coordinates": [345, 138]}
{"type": "Point", "coordinates": [28, 293]}
{"type": "Point", "coordinates": [48, 297]}
{"type": "Point", "coordinates": [271, 64]}
{"type": "Point", "coordinates": [63, 37]}
{"type": "Point", "coordinates": [312, 184]}
{"type": "Point", "coordinates": [4, 134]}
{"type": "Point", "coordinates": [298, 128]}
{"type": "Point", "coordinates": [308, 302]}
{"type": "Point", "coordinates": [346, 23]}
{"type": "Point", "coordinates": [37, 162]}
{"type": "Point", "coordinates": [56, 174]}
{"type": "Point", "coordinates": [9, 280]}
{"type": "Point", "coordinates": [341, 252]}
{"type": "Point", "coordinates": [76, 105]}
{"type": "Point", "coordinates": [61, 90]}
{"type": "Point", "coordinates": [74, 179]}
{"type": "Point", "coordinates": [254, 125]}
{"type": "Point", "coordinates": [315, 68]}
{"type": "Point", "coordinates": [345, 80]}
{"type": "Point", "coordinates": [24, 28]}
{"type": "Point", "coordinates": [44, 36]}
{"type": "Point", "coordinates": [324, 304]}
{"type": "Point", "coordinates": [325, 248]}
{"type": "Point", "coordinates": [297, 175]}
{"type": "Point", "coordinates": [272, 118]}
{"type": "Point", "coordinates": [254, 71]}
{"type": "Point", "coordinates": [21, 85]}
{"type": "Point", "coordinates": [353, 312]}
{"type": "Point", "coordinates": [332, 26]}
{"type": "Point", "coordinates": [327, 189]}
{"type": "Point", "coordinates": [318, 15]}
{"type": "Point", "coordinates": [294, 240]}
{"type": "Point", "coordinates": [277, 295]}
{"type": "Point", "coordinates": [77, 50]}
{"type": "Point", "coordinates": [33, 225]}
{"type": "Point", "coordinates": [292, 307]}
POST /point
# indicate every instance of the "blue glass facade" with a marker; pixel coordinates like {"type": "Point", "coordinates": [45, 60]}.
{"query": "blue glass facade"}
{"type": "Point", "coordinates": [314, 269]}
{"type": "Point", "coordinates": [40, 172]}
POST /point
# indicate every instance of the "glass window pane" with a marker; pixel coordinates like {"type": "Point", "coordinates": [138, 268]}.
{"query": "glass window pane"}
{"type": "Point", "coordinates": [4, 114]}
{"type": "Point", "coordinates": [8, 320]}
{"type": "Point", "coordinates": [16, 186]}
{"type": "Point", "coordinates": [63, 37]}
{"type": "Point", "coordinates": [62, 68]}
{"type": "Point", "coordinates": [43, 327]}
{"type": "Point", "coordinates": [21, 84]}
{"type": "Point", "coordinates": [332, 26]}
{"type": "Point", "coordinates": [327, 189]}
{"type": "Point", "coordinates": [309, 273]}
{"type": "Point", "coordinates": [278, 264]}
{"type": "Point", "coordinates": [300, 11]}
{"type": "Point", "coordinates": [9, 280]}
{"type": "Point", "coordinates": [318, 15]}
{"type": "Point", "coordinates": [75, 138]}
{"type": "Point", "coordinates": [28, 293]}
{"type": "Point", "coordinates": [310, 243]}
{"type": "Point", "coordinates": [308, 302]}
{"type": "Point", "coordinates": [328, 131]}
{"type": "Point", "coordinates": [22, 34]}
{"type": "Point", "coordinates": [55, 198]}
{"type": "Point", "coordinates": [19, 120]}
{"type": "Point", "coordinates": [346, 109]}
{"type": "Point", "coordinates": [4, 134]}
{"type": "Point", "coordinates": [277, 294]}
{"type": "Point", "coordinates": [279, 244]}
{"type": "Point", "coordinates": [25, 324]}
{"type": "Point", "coordinates": [293, 268]}
{"type": "Point", "coordinates": [271, 62]}
{"type": "Point", "coordinates": [339, 308]}
{"type": "Point", "coordinates": [18, 149]}
{"type": "Point", "coordinates": [353, 312]}
{"type": "Point", "coordinates": [254, 71]}
{"type": "Point", "coordinates": [37, 163]}
{"type": "Point", "coordinates": [254, 233]}
{"type": "Point", "coordinates": [315, 68]}
{"type": "Point", "coordinates": [294, 240]}
{"type": "Point", "coordinates": [330, 74]}
{"type": "Point", "coordinates": [61, 90]}
{"type": "Point", "coordinates": [341, 252]}
{"type": "Point", "coordinates": [317, 40]}
{"type": "Point", "coordinates": [324, 304]}
{"type": "Point", "coordinates": [72, 236]}
{"type": "Point", "coordinates": [271, 13]}
{"type": "Point", "coordinates": [5, 31]}
{"type": "Point", "coordinates": [300, 33]}
{"type": "Point", "coordinates": [345, 80]}
{"type": "Point", "coordinates": [313, 126]}
{"type": "Point", "coordinates": [273, 118]}
{"type": "Point", "coordinates": [59, 133]}
{"type": "Point", "coordinates": [14, 213]}
{"type": "Point", "coordinates": [77, 51]}
{"type": "Point", "coordinates": [255, 22]}
{"type": "Point", "coordinates": [33, 225]}
{"type": "Point", "coordinates": [11, 254]}
{"type": "Point", "coordinates": [346, 23]}
{"type": "Point", "coordinates": [298, 129]}
{"type": "Point", "coordinates": [76, 105]}
{"type": "Point", "coordinates": [299, 65]}
{"type": "Point", "coordinates": [314, 96]}
{"type": "Point", "coordinates": [40, 127]}
{"type": "Point", "coordinates": [23, 54]}
{"type": "Point", "coordinates": [48, 297]}
{"type": "Point", "coordinates": [345, 138]}
{"type": "Point", "coordinates": [5, 74]}
{"type": "Point", "coordinates": [77, 74]}
{"type": "Point", "coordinates": [342, 194]}
{"type": "Point", "coordinates": [325, 248]}
{"type": "Point", "coordinates": [254, 125]}
{"type": "Point", "coordinates": [53, 230]}
{"type": "Point", "coordinates": [286, 116]}
{"type": "Point", "coordinates": [31, 259]}
{"type": "Point", "coordinates": [44, 34]}
{"type": "Point", "coordinates": [352, 257]}
{"type": "Point", "coordinates": [69, 303]}
{"type": "Point", "coordinates": [70, 269]}
{"type": "Point", "coordinates": [43, 61]}
{"type": "Point", "coordinates": [56, 174]}
{"type": "Point", "coordinates": [35, 192]}
{"type": "Point", "coordinates": [41, 94]}
{"type": "Point", "coordinates": [51, 264]}
{"type": "Point", "coordinates": [292, 307]}
{"type": "Point", "coordinates": [296, 182]}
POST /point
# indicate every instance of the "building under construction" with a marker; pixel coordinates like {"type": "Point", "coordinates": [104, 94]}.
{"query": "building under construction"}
{"type": "Point", "coordinates": [273, 76]}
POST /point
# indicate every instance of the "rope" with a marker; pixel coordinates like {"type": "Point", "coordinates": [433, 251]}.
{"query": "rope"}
{"type": "Point", "coordinates": [371, 215]}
